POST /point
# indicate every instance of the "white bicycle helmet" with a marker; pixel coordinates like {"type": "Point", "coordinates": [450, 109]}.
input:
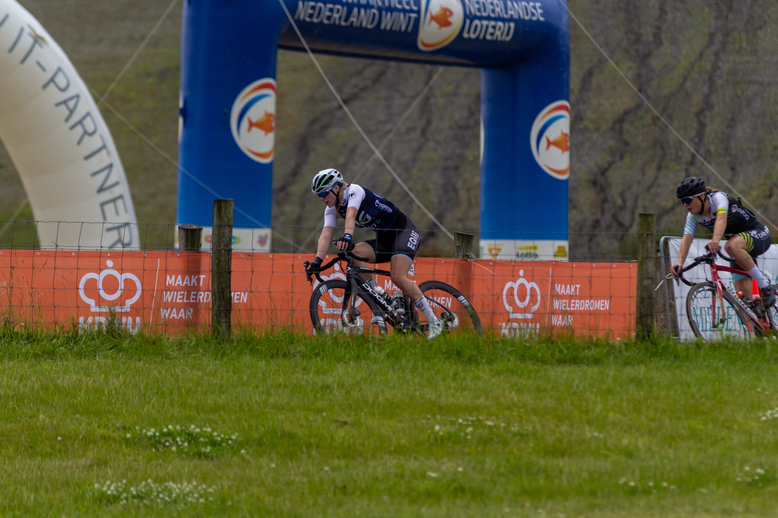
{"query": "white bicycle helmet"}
{"type": "Point", "coordinates": [325, 180]}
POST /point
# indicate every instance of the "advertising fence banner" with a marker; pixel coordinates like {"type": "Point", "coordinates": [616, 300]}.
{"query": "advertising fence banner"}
{"type": "Point", "coordinates": [767, 262]}
{"type": "Point", "coordinates": [170, 292]}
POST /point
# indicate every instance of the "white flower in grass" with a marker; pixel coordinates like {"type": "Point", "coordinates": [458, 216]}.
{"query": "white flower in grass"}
{"type": "Point", "coordinates": [432, 474]}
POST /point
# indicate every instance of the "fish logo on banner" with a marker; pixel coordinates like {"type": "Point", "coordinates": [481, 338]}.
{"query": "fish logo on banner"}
{"type": "Point", "coordinates": [253, 120]}
{"type": "Point", "coordinates": [441, 21]}
{"type": "Point", "coordinates": [550, 139]}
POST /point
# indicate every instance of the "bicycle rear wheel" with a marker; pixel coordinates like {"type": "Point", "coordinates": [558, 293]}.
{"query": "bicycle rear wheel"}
{"type": "Point", "coordinates": [703, 308]}
{"type": "Point", "coordinates": [451, 308]}
{"type": "Point", "coordinates": [332, 311]}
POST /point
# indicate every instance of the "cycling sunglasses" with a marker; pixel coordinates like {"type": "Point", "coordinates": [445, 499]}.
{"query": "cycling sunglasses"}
{"type": "Point", "coordinates": [688, 199]}
{"type": "Point", "coordinates": [323, 194]}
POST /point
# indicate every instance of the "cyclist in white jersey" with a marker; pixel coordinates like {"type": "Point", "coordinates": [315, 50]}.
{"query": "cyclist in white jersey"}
{"type": "Point", "coordinates": [396, 239]}
{"type": "Point", "coordinates": [725, 216]}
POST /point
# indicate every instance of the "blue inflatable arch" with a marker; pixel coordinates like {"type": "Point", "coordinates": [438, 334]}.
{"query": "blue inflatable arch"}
{"type": "Point", "coordinates": [228, 100]}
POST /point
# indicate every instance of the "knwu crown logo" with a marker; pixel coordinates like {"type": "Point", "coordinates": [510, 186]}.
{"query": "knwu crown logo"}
{"type": "Point", "coordinates": [253, 118]}
{"type": "Point", "coordinates": [106, 295]}
{"type": "Point", "coordinates": [441, 21]}
{"type": "Point", "coordinates": [521, 297]}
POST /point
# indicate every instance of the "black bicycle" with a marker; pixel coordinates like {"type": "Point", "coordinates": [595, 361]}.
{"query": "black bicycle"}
{"type": "Point", "coordinates": [344, 303]}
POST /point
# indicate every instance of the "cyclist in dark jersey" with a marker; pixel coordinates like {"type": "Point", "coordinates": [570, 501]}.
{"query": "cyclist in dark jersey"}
{"type": "Point", "coordinates": [725, 216]}
{"type": "Point", "coordinates": [396, 241]}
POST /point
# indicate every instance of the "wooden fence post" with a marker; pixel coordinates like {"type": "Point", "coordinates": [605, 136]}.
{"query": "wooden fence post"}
{"type": "Point", "coordinates": [463, 245]}
{"type": "Point", "coordinates": [190, 241]}
{"type": "Point", "coordinates": [190, 238]}
{"type": "Point", "coordinates": [646, 275]}
{"type": "Point", "coordinates": [221, 269]}
{"type": "Point", "coordinates": [463, 269]}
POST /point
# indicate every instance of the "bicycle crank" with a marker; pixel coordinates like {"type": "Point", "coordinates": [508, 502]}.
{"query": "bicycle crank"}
{"type": "Point", "coordinates": [450, 319]}
{"type": "Point", "coordinates": [350, 318]}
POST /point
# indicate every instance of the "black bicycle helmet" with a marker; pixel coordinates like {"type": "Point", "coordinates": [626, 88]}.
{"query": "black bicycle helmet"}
{"type": "Point", "coordinates": [690, 187]}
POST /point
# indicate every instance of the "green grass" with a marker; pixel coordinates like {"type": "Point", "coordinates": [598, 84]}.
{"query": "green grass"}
{"type": "Point", "coordinates": [394, 427]}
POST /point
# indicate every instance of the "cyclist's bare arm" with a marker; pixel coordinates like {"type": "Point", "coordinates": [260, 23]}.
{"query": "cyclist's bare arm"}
{"type": "Point", "coordinates": [324, 241]}
{"type": "Point", "coordinates": [351, 218]}
{"type": "Point", "coordinates": [718, 231]}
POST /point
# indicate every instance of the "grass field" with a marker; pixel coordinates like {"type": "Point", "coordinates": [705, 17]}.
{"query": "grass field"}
{"type": "Point", "coordinates": [96, 425]}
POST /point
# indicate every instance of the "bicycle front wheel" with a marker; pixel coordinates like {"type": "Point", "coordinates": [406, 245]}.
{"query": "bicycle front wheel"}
{"type": "Point", "coordinates": [709, 320]}
{"type": "Point", "coordinates": [335, 311]}
{"type": "Point", "coordinates": [451, 308]}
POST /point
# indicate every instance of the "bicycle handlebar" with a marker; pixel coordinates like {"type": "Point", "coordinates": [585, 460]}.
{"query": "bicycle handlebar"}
{"type": "Point", "coordinates": [343, 255]}
{"type": "Point", "coordinates": [708, 258]}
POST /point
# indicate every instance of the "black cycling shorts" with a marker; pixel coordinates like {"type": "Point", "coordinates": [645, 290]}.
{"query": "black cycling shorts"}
{"type": "Point", "coordinates": [758, 240]}
{"type": "Point", "coordinates": [404, 240]}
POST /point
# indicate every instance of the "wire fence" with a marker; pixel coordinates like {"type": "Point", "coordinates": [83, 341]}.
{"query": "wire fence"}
{"type": "Point", "coordinates": [61, 235]}
{"type": "Point", "coordinates": [160, 289]}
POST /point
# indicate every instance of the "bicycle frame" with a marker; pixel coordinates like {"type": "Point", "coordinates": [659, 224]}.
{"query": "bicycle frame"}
{"type": "Point", "coordinates": [760, 321]}
{"type": "Point", "coordinates": [354, 279]}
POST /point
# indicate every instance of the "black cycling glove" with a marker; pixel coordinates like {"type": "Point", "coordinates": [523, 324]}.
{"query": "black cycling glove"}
{"type": "Point", "coordinates": [345, 239]}
{"type": "Point", "coordinates": [314, 267]}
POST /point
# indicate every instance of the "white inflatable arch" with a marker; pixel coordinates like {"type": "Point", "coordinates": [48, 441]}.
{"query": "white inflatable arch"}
{"type": "Point", "coordinates": [59, 142]}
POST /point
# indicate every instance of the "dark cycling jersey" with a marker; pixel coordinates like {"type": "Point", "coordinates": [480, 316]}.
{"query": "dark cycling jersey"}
{"type": "Point", "coordinates": [373, 211]}
{"type": "Point", "coordinates": [395, 232]}
{"type": "Point", "coordinates": [739, 218]}
{"type": "Point", "coordinates": [740, 221]}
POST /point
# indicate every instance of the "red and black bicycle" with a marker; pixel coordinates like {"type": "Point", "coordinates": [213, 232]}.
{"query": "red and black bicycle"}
{"type": "Point", "coordinates": [715, 310]}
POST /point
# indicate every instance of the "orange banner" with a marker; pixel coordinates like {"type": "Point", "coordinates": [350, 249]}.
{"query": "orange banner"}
{"type": "Point", "coordinates": [170, 291]}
